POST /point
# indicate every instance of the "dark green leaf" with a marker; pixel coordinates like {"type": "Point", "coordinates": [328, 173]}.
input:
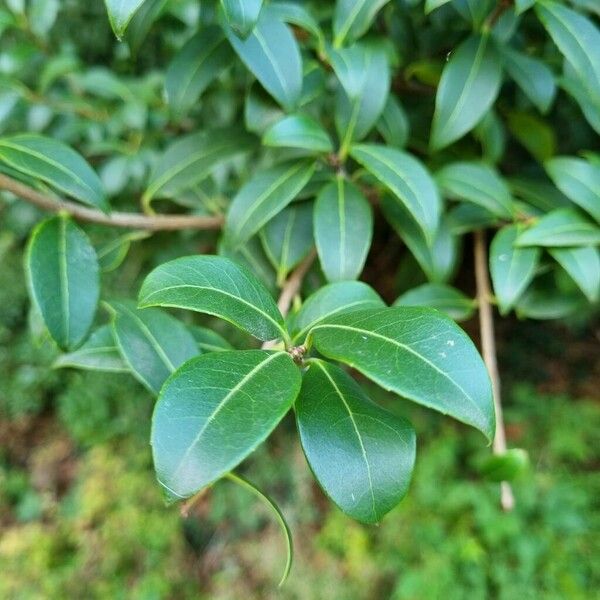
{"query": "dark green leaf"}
{"type": "Point", "coordinates": [298, 15]}
{"type": "Point", "coordinates": [543, 304]}
{"type": "Point", "coordinates": [579, 180]}
{"type": "Point", "coordinates": [407, 179]}
{"type": "Point", "coordinates": [538, 192]}
{"type": "Point", "coordinates": [209, 340]}
{"type": "Point", "coordinates": [298, 131]}
{"type": "Point", "coordinates": [477, 183]}
{"type": "Point", "coordinates": [533, 133]}
{"type": "Point", "coordinates": [343, 230]}
{"type": "Point", "coordinates": [151, 342]}
{"type": "Point", "coordinates": [491, 134]}
{"type": "Point", "coordinates": [418, 353]}
{"type": "Point", "coordinates": [62, 269]}
{"type": "Point", "coordinates": [362, 455]}
{"type": "Point", "coordinates": [467, 217]}
{"type": "Point", "coordinates": [216, 286]}
{"type": "Point", "coordinates": [393, 124]}
{"type": "Point", "coordinates": [583, 265]}
{"type": "Point", "coordinates": [330, 300]}
{"type": "Point", "coordinates": [511, 268]}
{"type": "Point", "coordinates": [190, 159]}
{"type": "Point", "coordinates": [195, 66]}
{"type": "Point", "coordinates": [441, 297]}
{"type": "Point", "coordinates": [267, 193]}
{"type": "Point", "coordinates": [559, 228]}
{"type": "Point", "coordinates": [288, 237]}
{"type": "Point", "coordinates": [98, 353]}
{"type": "Point", "coordinates": [52, 162]}
{"type": "Point", "coordinates": [469, 86]}
{"type": "Point", "coordinates": [214, 411]}
{"type": "Point", "coordinates": [271, 53]}
{"type": "Point", "coordinates": [352, 18]}
{"type": "Point", "coordinates": [473, 11]}
{"type": "Point", "coordinates": [242, 15]}
{"type": "Point", "coordinates": [113, 253]}
{"type": "Point", "coordinates": [431, 5]}
{"type": "Point", "coordinates": [120, 13]}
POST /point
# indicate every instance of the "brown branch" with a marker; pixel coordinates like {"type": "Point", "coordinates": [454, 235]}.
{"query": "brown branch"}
{"type": "Point", "coordinates": [115, 219]}
{"type": "Point", "coordinates": [488, 347]}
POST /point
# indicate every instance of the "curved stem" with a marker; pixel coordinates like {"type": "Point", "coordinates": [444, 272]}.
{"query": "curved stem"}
{"type": "Point", "coordinates": [115, 219]}
{"type": "Point", "coordinates": [488, 349]}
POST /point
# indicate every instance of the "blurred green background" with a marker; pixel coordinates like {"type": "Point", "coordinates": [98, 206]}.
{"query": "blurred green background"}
{"type": "Point", "coordinates": [82, 517]}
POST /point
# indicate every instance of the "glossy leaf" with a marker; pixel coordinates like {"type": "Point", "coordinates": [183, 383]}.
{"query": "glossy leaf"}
{"type": "Point", "coordinates": [534, 78]}
{"type": "Point", "coordinates": [332, 299]}
{"type": "Point", "coordinates": [271, 53]}
{"type": "Point", "coordinates": [343, 224]}
{"type": "Point", "coordinates": [407, 179]}
{"type": "Point", "coordinates": [298, 131]}
{"type": "Point", "coordinates": [113, 253]}
{"type": "Point", "coordinates": [98, 353]}
{"type": "Point", "coordinates": [242, 15]}
{"type": "Point", "coordinates": [151, 342]}
{"type": "Point", "coordinates": [288, 237]}
{"type": "Point", "coordinates": [296, 14]}
{"type": "Point", "coordinates": [216, 286]}
{"type": "Point", "coordinates": [352, 18]}
{"type": "Point", "coordinates": [120, 13]}
{"type": "Point", "coordinates": [477, 183]}
{"type": "Point", "coordinates": [442, 297]}
{"type": "Point", "coordinates": [577, 38]}
{"type": "Point", "coordinates": [48, 160]}
{"type": "Point", "coordinates": [559, 228]}
{"type": "Point", "coordinates": [208, 340]}
{"type": "Point", "coordinates": [583, 266]}
{"type": "Point", "coordinates": [579, 180]}
{"type": "Point", "coordinates": [63, 276]}
{"type": "Point", "coordinates": [214, 411]}
{"type": "Point", "coordinates": [512, 268]}
{"type": "Point", "coordinates": [467, 217]}
{"type": "Point", "coordinates": [469, 86]}
{"type": "Point", "coordinates": [191, 158]}
{"type": "Point", "coordinates": [264, 195]}
{"type": "Point", "coordinates": [362, 455]}
{"type": "Point", "coordinates": [195, 66]}
{"type": "Point", "coordinates": [418, 353]}
{"type": "Point", "coordinates": [538, 192]}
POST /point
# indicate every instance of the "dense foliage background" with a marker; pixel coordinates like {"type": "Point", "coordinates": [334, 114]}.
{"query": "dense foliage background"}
{"type": "Point", "coordinates": [386, 136]}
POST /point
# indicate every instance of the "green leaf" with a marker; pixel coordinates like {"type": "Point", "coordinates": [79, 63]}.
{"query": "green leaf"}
{"type": "Point", "coordinates": [252, 256]}
{"type": "Point", "coordinates": [120, 13]}
{"type": "Point", "coordinates": [417, 353]}
{"type": "Point", "coordinates": [437, 258]}
{"type": "Point", "coordinates": [343, 230]}
{"type": "Point", "coordinates": [577, 38]}
{"type": "Point", "coordinates": [583, 265]}
{"type": "Point", "coordinates": [442, 297]}
{"type": "Point", "coordinates": [468, 88]}
{"type": "Point", "coordinates": [113, 253]}
{"type": "Point", "coordinates": [477, 183]}
{"type": "Point", "coordinates": [352, 18]}
{"type": "Point", "coordinates": [208, 340]}
{"type": "Point", "coordinates": [288, 237]}
{"type": "Point", "coordinates": [473, 11]}
{"type": "Point", "coordinates": [56, 164]}
{"type": "Point", "coordinates": [296, 14]}
{"type": "Point", "coordinates": [534, 78]}
{"type": "Point", "coordinates": [98, 353]}
{"type": "Point", "coordinates": [242, 15]}
{"type": "Point", "coordinates": [407, 179]}
{"type": "Point", "coordinates": [511, 268]}
{"type": "Point", "coordinates": [142, 22]}
{"type": "Point", "coordinates": [579, 180]}
{"type": "Point", "coordinates": [191, 158]}
{"type": "Point", "coordinates": [522, 5]}
{"type": "Point", "coordinates": [431, 5]}
{"type": "Point", "coordinates": [151, 342]}
{"type": "Point", "coordinates": [538, 192]}
{"type": "Point", "coordinates": [365, 79]}
{"type": "Point", "coordinates": [467, 217]}
{"type": "Point", "coordinates": [241, 481]}
{"type": "Point", "coordinates": [330, 300]}
{"type": "Point", "coordinates": [393, 124]}
{"type": "Point", "coordinates": [267, 193]}
{"type": "Point", "coordinates": [195, 66]}
{"type": "Point", "coordinates": [214, 411]}
{"type": "Point", "coordinates": [491, 134]}
{"type": "Point", "coordinates": [216, 286]}
{"type": "Point", "coordinates": [561, 227]}
{"type": "Point", "coordinates": [543, 304]}
{"type": "Point", "coordinates": [588, 103]}
{"type": "Point", "coordinates": [362, 455]}
{"type": "Point", "coordinates": [298, 131]}
{"type": "Point", "coordinates": [63, 276]}
{"type": "Point", "coordinates": [271, 53]}
{"type": "Point", "coordinates": [507, 466]}
{"type": "Point", "coordinates": [533, 133]}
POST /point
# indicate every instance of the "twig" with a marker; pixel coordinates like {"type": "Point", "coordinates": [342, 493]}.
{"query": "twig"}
{"type": "Point", "coordinates": [115, 219]}
{"type": "Point", "coordinates": [488, 346]}
{"type": "Point", "coordinates": [291, 287]}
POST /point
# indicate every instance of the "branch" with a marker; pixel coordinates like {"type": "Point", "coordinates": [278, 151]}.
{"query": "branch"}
{"type": "Point", "coordinates": [488, 347]}
{"type": "Point", "coordinates": [115, 219]}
